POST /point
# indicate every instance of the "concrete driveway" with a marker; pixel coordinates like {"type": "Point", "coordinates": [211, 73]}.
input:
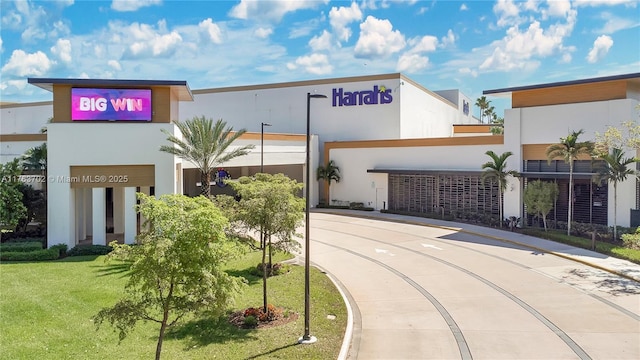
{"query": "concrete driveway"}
{"type": "Point", "coordinates": [420, 292]}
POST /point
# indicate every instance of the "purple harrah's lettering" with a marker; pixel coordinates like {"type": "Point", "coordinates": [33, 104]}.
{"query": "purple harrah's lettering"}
{"type": "Point", "coordinates": [365, 97]}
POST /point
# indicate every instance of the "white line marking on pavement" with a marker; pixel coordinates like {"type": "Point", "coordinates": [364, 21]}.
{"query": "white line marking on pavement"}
{"type": "Point", "coordinates": [431, 246]}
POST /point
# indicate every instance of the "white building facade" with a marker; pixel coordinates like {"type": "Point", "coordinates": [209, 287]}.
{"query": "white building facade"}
{"type": "Point", "coordinates": [399, 146]}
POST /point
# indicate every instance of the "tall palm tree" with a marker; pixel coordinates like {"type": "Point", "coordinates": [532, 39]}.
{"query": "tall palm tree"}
{"type": "Point", "coordinates": [483, 104]}
{"type": "Point", "coordinates": [205, 144]}
{"type": "Point", "coordinates": [496, 170]}
{"type": "Point", "coordinates": [615, 170]}
{"type": "Point", "coordinates": [569, 149]}
{"type": "Point", "coordinates": [328, 173]}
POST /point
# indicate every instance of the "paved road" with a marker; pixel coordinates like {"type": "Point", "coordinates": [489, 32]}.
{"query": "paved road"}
{"type": "Point", "coordinates": [435, 293]}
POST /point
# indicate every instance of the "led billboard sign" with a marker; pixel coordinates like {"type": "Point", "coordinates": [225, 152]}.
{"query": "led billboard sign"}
{"type": "Point", "coordinates": [110, 104]}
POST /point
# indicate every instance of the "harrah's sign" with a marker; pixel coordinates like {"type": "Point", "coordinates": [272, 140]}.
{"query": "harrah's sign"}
{"type": "Point", "coordinates": [379, 95]}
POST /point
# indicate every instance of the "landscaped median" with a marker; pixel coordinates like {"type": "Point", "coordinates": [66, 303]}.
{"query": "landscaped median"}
{"type": "Point", "coordinates": [46, 311]}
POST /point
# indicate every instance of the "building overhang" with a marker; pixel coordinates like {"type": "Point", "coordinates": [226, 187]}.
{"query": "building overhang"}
{"type": "Point", "coordinates": [179, 87]}
{"type": "Point", "coordinates": [424, 172]}
{"type": "Point", "coordinates": [556, 175]}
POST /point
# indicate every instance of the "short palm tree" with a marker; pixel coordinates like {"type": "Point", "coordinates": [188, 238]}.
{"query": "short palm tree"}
{"type": "Point", "coordinates": [35, 159]}
{"type": "Point", "coordinates": [328, 173]}
{"type": "Point", "coordinates": [205, 144]}
{"type": "Point", "coordinates": [496, 170]}
{"type": "Point", "coordinates": [569, 149]}
{"type": "Point", "coordinates": [615, 170]}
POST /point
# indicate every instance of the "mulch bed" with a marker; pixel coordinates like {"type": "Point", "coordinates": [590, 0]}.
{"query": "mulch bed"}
{"type": "Point", "coordinates": [237, 319]}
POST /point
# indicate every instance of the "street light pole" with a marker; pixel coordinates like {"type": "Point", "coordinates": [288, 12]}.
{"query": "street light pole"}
{"type": "Point", "coordinates": [307, 338]}
{"type": "Point", "coordinates": [262, 145]}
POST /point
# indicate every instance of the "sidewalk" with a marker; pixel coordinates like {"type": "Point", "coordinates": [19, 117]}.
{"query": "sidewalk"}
{"type": "Point", "coordinates": [607, 263]}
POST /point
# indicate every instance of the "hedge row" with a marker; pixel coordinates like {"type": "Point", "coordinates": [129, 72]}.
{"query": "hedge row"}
{"type": "Point", "coordinates": [20, 246]}
{"type": "Point", "coordinates": [36, 255]}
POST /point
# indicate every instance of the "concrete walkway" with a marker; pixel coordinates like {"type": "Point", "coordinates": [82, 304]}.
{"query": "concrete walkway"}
{"type": "Point", "coordinates": [484, 301]}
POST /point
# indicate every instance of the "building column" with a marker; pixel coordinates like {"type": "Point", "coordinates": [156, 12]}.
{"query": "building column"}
{"type": "Point", "coordinates": [99, 216]}
{"type": "Point", "coordinates": [79, 216]}
{"type": "Point", "coordinates": [88, 211]}
{"type": "Point", "coordinates": [118, 210]}
{"type": "Point", "coordinates": [145, 190]}
{"type": "Point", "coordinates": [130, 223]}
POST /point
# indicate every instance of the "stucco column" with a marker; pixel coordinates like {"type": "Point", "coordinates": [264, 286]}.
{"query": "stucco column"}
{"type": "Point", "coordinates": [118, 210]}
{"type": "Point", "coordinates": [88, 211]}
{"type": "Point", "coordinates": [80, 222]}
{"type": "Point", "coordinates": [130, 226]}
{"type": "Point", "coordinates": [99, 216]}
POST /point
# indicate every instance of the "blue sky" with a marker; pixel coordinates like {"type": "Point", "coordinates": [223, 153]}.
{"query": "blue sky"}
{"type": "Point", "coordinates": [467, 45]}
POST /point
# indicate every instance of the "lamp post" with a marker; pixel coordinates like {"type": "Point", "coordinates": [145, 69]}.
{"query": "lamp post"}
{"type": "Point", "coordinates": [262, 145]}
{"type": "Point", "coordinates": [307, 338]}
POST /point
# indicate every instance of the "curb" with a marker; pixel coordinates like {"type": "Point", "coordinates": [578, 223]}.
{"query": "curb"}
{"type": "Point", "coordinates": [513, 242]}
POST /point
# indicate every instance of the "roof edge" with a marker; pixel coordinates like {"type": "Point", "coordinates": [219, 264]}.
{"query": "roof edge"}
{"type": "Point", "coordinates": [562, 83]}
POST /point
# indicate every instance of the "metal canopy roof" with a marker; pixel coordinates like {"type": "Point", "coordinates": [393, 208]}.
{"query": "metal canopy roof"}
{"type": "Point", "coordinates": [179, 87]}
{"type": "Point", "coordinates": [635, 77]}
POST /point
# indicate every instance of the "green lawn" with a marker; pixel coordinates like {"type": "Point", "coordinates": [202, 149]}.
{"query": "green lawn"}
{"type": "Point", "coordinates": [602, 247]}
{"type": "Point", "coordinates": [46, 310]}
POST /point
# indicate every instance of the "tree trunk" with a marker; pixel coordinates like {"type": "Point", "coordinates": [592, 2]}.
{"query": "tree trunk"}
{"type": "Point", "coordinates": [165, 319]}
{"type": "Point", "coordinates": [500, 204]}
{"type": "Point", "coordinates": [270, 257]}
{"type": "Point", "coordinates": [544, 221]}
{"type": "Point", "coordinates": [615, 211]}
{"type": "Point", "coordinates": [205, 183]}
{"type": "Point", "coordinates": [264, 274]}
{"type": "Point", "coordinates": [570, 212]}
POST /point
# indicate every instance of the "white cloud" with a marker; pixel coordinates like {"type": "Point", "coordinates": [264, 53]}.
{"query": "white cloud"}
{"type": "Point", "coordinates": [558, 8]}
{"type": "Point", "coordinates": [114, 64]}
{"type": "Point", "coordinates": [23, 64]}
{"type": "Point", "coordinates": [322, 42]}
{"type": "Point", "coordinates": [464, 7]}
{"type": "Point", "coordinates": [133, 5]}
{"type": "Point", "coordinates": [449, 39]}
{"type": "Point", "coordinates": [210, 31]}
{"type": "Point", "coordinates": [468, 71]}
{"type": "Point", "coordinates": [1, 48]}
{"type": "Point", "coordinates": [148, 41]}
{"type": "Point", "coordinates": [520, 49]}
{"type": "Point", "coordinates": [426, 43]}
{"type": "Point", "coordinates": [507, 12]}
{"type": "Point", "coordinates": [340, 17]}
{"type": "Point", "coordinates": [263, 33]}
{"type": "Point", "coordinates": [411, 63]}
{"type": "Point", "coordinates": [594, 3]}
{"type": "Point", "coordinates": [270, 10]}
{"type": "Point", "coordinates": [600, 48]}
{"type": "Point", "coordinates": [317, 64]}
{"type": "Point", "coordinates": [378, 39]}
{"type": "Point", "coordinates": [62, 49]}
{"type": "Point", "coordinates": [615, 23]}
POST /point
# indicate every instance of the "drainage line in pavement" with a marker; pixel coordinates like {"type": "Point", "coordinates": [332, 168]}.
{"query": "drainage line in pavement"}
{"type": "Point", "coordinates": [465, 353]}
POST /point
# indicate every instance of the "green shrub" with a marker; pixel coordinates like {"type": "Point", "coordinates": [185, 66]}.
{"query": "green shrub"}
{"type": "Point", "coordinates": [62, 249]}
{"type": "Point", "coordinates": [20, 246]}
{"type": "Point", "coordinates": [250, 321]}
{"type": "Point", "coordinates": [41, 240]}
{"type": "Point", "coordinates": [277, 269]}
{"type": "Point", "coordinates": [632, 241]}
{"type": "Point", "coordinates": [37, 255]}
{"type": "Point", "coordinates": [82, 250]}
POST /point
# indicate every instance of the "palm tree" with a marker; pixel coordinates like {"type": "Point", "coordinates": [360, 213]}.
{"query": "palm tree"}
{"type": "Point", "coordinates": [328, 173]}
{"type": "Point", "coordinates": [495, 170]}
{"type": "Point", "coordinates": [569, 149]}
{"type": "Point", "coordinates": [35, 159]}
{"type": "Point", "coordinates": [483, 104]}
{"type": "Point", "coordinates": [204, 144]}
{"type": "Point", "coordinates": [615, 170]}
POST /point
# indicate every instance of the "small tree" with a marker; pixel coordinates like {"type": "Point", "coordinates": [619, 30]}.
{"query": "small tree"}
{"type": "Point", "coordinates": [569, 149]}
{"type": "Point", "coordinates": [205, 144]}
{"type": "Point", "coordinates": [176, 266]}
{"type": "Point", "coordinates": [328, 173]}
{"type": "Point", "coordinates": [496, 170]}
{"type": "Point", "coordinates": [268, 204]}
{"type": "Point", "coordinates": [540, 197]}
{"type": "Point", "coordinates": [11, 208]}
